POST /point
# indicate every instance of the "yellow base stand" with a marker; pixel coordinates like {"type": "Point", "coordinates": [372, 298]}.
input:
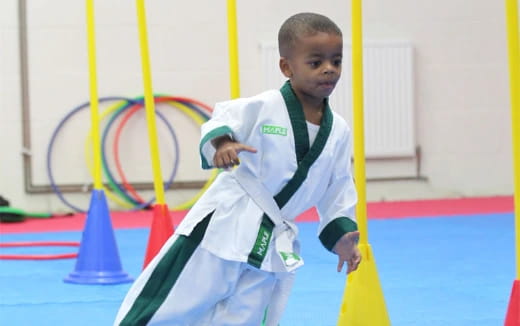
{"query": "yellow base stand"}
{"type": "Point", "coordinates": [363, 302]}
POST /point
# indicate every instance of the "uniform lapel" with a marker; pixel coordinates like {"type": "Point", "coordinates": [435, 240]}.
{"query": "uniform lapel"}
{"type": "Point", "coordinates": [305, 156]}
{"type": "Point", "coordinates": [299, 126]}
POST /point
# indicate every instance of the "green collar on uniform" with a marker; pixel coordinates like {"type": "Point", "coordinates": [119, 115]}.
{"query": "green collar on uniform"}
{"type": "Point", "coordinates": [305, 156]}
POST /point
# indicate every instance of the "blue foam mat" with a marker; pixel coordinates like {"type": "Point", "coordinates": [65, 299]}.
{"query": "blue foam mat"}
{"type": "Point", "coordinates": [449, 271]}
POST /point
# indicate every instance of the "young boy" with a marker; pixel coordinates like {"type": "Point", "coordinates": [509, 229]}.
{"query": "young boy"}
{"type": "Point", "coordinates": [232, 259]}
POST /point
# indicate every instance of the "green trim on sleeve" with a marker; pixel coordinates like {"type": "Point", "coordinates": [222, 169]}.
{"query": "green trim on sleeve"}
{"type": "Point", "coordinates": [335, 230]}
{"type": "Point", "coordinates": [217, 132]}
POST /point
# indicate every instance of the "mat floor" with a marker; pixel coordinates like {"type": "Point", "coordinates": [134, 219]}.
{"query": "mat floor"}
{"type": "Point", "coordinates": [434, 271]}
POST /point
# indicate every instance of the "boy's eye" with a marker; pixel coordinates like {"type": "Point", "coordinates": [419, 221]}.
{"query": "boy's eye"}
{"type": "Point", "coordinates": [337, 62]}
{"type": "Point", "coordinates": [315, 64]}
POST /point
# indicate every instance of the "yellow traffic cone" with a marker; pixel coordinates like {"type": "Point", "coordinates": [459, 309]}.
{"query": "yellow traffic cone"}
{"type": "Point", "coordinates": [363, 302]}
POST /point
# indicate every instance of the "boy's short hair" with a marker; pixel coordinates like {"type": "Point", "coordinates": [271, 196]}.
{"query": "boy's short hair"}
{"type": "Point", "coordinates": [303, 24]}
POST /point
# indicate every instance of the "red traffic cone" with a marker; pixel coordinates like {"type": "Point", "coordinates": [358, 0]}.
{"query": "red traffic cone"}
{"type": "Point", "coordinates": [161, 230]}
{"type": "Point", "coordinates": [513, 311]}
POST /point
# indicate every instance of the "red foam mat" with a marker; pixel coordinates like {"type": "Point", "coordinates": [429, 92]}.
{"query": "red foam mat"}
{"type": "Point", "coordinates": [441, 207]}
{"type": "Point", "coordinates": [395, 209]}
{"type": "Point", "coordinates": [76, 222]}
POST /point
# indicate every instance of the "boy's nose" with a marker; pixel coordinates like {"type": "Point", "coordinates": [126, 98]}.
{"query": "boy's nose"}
{"type": "Point", "coordinates": [329, 68]}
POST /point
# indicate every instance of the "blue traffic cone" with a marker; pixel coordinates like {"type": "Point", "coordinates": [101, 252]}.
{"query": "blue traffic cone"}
{"type": "Point", "coordinates": [98, 259]}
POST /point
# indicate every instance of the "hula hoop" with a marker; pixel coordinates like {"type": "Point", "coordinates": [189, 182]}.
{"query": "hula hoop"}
{"type": "Point", "coordinates": [52, 181]}
{"type": "Point", "coordinates": [53, 139]}
{"type": "Point", "coordinates": [131, 111]}
{"type": "Point", "coordinates": [121, 200]}
{"type": "Point", "coordinates": [109, 175]}
{"type": "Point", "coordinates": [204, 112]}
{"type": "Point", "coordinates": [39, 244]}
{"type": "Point", "coordinates": [138, 205]}
{"type": "Point", "coordinates": [191, 103]}
{"type": "Point", "coordinates": [130, 203]}
{"type": "Point", "coordinates": [203, 109]}
{"type": "Point", "coordinates": [199, 119]}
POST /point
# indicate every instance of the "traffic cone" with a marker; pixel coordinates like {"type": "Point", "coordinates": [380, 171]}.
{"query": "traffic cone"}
{"type": "Point", "coordinates": [161, 230]}
{"type": "Point", "coordinates": [513, 311]}
{"type": "Point", "coordinates": [363, 301]}
{"type": "Point", "coordinates": [98, 259]}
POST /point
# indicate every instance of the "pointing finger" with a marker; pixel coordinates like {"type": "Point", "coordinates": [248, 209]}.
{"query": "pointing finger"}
{"type": "Point", "coordinates": [340, 264]}
{"type": "Point", "coordinates": [246, 148]}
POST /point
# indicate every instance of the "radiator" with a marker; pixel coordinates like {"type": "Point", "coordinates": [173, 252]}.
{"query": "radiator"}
{"type": "Point", "coordinates": [388, 94]}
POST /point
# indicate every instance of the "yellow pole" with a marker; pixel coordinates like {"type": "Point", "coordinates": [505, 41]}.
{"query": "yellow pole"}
{"type": "Point", "coordinates": [359, 122]}
{"type": "Point", "coordinates": [98, 261]}
{"type": "Point", "coordinates": [94, 104]}
{"type": "Point", "coordinates": [233, 48]}
{"type": "Point", "coordinates": [513, 309]}
{"type": "Point", "coordinates": [150, 104]}
{"type": "Point", "coordinates": [363, 300]}
{"type": "Point", "coordinates": [514, 76]}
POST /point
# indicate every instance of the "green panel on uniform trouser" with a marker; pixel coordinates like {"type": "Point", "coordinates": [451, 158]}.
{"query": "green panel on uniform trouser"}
{"type": "Point", "coordinates": [164, 276]}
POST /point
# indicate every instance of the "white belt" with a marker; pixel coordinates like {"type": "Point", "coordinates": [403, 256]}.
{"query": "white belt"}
{"type": "Point", "coordinates": [285, 232]}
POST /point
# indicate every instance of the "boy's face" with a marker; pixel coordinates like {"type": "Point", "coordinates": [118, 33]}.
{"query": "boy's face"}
{"type": "Point", "coordinates": [314, 65]}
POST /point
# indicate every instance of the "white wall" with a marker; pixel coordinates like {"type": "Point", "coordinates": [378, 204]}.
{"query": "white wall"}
{"type": "Point", "coordinates": [461, 82]}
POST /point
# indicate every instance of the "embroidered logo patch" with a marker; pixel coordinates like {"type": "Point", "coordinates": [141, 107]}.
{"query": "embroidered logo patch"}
{"type": "Point", "coordinates": [290, 258]}
{"type": "Point", "coordinates": [274, 130]}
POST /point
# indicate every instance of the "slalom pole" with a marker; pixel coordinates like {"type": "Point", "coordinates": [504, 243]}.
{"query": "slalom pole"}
{"type": "Point", "coordinates": [514, 75]}
{"type": "Point", "coordinates": [149, 103]}
{"type": "Point", "coordinates": [513, 311]}
{"type": "Point", "coordinates": [98, 258]}
{"type": "Point", "coordinates": [363, 300]}
{"type": "Point", "coordinates": [359, 121]}
{"type": "Point", "coordinates": [162, 226]}
{"type": "Point", "coordinates": [234, 78]}
{"type": "Point", "coordinates": [94, 99]}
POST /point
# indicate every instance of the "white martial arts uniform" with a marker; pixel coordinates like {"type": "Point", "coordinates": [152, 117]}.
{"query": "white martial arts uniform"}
{"type": "Point", "coordinates": [221, 267]}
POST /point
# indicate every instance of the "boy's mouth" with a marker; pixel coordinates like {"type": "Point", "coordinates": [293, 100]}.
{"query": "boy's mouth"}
{"type": "Point", "coordinates": [327, 84]}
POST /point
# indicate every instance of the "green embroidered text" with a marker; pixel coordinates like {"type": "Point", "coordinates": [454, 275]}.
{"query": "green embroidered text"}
{"type": "Point", "coordinates": [274, 130]}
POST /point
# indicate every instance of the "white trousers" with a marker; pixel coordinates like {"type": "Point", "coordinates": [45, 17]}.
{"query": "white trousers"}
{"type": "Point", "coordinates": [209, 291]}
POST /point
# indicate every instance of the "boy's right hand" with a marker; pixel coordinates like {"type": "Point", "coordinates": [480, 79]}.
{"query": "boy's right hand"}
{"type": "Point", "coordinates": [226, 155]}
{"type": "Point", "coordinates": [348, 252]}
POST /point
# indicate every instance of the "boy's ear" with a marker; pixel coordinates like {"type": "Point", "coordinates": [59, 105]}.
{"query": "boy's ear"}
{"type": "Point", "coordinates": [285, 68]}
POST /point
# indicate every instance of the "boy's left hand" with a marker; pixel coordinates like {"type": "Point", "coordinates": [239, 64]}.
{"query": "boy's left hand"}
{"type": "Point", "coordinates": [348, 252]}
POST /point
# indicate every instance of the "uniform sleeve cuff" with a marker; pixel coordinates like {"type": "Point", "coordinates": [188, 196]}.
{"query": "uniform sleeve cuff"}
{"type": "Point", "coordinates": [206, 148]}
{"type": "Point", "coordinates": [335, 230]}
